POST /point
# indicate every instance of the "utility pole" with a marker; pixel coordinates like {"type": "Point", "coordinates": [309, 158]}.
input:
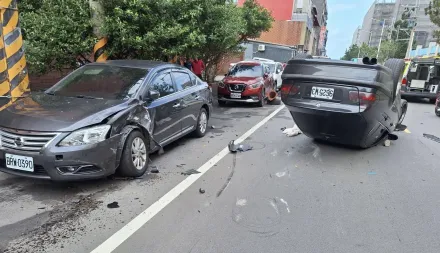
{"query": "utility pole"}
{"type": "Point", "coordinates": [99, 54]}
{"type": "Point", "coordinates": [380, 40]}
{"type": "Point", "coordinates": [410, 43]}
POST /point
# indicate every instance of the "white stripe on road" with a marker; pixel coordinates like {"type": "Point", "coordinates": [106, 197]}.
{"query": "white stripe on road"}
{"type": "Point", "coordinates": [125, 232]}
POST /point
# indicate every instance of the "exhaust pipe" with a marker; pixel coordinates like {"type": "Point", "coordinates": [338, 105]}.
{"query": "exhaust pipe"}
{"type": "Point", "coordinates": [272, 95]}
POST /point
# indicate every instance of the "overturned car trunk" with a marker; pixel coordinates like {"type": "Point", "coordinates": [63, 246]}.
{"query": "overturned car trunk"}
{"type": "Point", "coordinates": [340, 101]}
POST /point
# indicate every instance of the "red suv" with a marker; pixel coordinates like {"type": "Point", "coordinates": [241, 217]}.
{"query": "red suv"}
{"type": "Point", "coordinates": [247, 82]}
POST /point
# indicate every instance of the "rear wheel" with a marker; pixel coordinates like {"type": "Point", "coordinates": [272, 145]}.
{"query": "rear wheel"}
{"type": "Point", "coordinates": [202, 123]}
{"type": "Point", "coordinates": [135, 156]}
{"type": "Point", "coordinates": [397, 67]}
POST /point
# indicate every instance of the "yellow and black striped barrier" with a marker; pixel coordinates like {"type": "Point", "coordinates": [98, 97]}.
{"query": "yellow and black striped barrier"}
{"type": "Point", "coordinates": [14, 77]}
{"type": "Point", "coordinates": [99, 50]}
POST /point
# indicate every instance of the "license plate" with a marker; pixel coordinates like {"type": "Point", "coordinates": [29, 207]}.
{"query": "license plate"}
{"type": "Point", "coordinates": [235, 95]}
{"type": "Point", "coordinates": [18, 162]}
{"type": "Point", "coordinates": [325, 93]}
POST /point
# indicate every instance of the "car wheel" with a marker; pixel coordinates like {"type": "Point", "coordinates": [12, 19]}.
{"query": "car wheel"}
{"type": "Point", "coordinates": [135, 156]}
{"type": "Point", "coordinates": [404, 109]}
{"type": "Point", "coordinates": [437, 112]}
{"type": "Point", "coordinates": [397, 67]}
{"type": "Point", "coordinates": [303, 56]}
{"type": "Point", "coordinates": [221, 103]}
{"type": "Point", "coordinates": [202, 124]}
{"type": "Point", "coordinates": [262, 99]}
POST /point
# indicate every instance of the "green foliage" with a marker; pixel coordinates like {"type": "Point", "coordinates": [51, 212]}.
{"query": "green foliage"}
{"type": "Point", "coordinates": [363, 51]}
{"type": "Point", "coordinates": [433, 11]}
{"type": "Point", "coordinates": [56, 33]}
{"type": "Point", "coordinates": [162, 29]}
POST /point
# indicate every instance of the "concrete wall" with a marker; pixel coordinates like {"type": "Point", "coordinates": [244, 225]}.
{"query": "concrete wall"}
{"type": "Point", "coordinates": [273, 52]}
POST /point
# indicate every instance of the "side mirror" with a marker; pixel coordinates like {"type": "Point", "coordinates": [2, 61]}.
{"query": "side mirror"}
{"type": "Point", "coordinates": [153, 95]}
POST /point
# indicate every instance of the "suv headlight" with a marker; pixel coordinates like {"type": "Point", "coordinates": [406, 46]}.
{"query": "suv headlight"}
{"type": "Point", "coordinates": [85, 136]}
{"type": "Point", "coordinates": [257, 84]}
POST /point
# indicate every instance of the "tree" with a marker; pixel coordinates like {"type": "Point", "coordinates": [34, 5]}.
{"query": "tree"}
{"type": "Point", "coordinates": [363, 51]}
{"type": "Point", "coordinates": [433, 10]}
{"type": "Point", "coordinates": [163, 29]}
{"type": "Point", "coordinates": [56, 33]}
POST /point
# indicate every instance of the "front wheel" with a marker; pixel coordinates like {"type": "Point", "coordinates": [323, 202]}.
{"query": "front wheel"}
{"type": "Point", "coordinates": [135, 156]}
{"type": "Point", "coordinates": [261, 101]}
{"type": "Point", "coordinates": [202, 124]}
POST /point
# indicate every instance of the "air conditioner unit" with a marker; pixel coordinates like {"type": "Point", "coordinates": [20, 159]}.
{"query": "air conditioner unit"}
{"type": "Point", "coordinates": [261, 48]}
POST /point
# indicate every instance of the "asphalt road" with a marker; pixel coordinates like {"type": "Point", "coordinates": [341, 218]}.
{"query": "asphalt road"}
{"type": "Point", "coordinates": [285, 195]}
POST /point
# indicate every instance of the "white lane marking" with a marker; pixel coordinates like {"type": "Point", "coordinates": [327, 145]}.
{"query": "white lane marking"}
{"type": "Point", "coordinates": [128, 230]}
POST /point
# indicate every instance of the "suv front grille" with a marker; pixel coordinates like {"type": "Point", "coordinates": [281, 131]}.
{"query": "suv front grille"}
{"type": "Point", "coordinates": [25, 141]}
{"type": "Point", "coordinates": [237, 87]}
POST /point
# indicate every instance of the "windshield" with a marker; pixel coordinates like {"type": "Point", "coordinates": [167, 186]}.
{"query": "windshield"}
{"type": "Point", "coordinates": [271, 67]}
{"type": "Point", "coordinates": [246, 70]}
{"type": "Point", "coordinates": [100, 81]}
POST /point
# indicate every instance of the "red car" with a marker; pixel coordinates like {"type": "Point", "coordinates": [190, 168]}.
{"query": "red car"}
{"type": "Point", "coordinates": [246, 82]}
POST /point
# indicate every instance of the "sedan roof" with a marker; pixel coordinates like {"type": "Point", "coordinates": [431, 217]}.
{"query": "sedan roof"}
{"type": "Point", "coordinates": [143, 64]}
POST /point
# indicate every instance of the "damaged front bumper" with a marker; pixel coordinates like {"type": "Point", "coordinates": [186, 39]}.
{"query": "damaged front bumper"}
{"type": "Point", "coordinates": [66, 163]}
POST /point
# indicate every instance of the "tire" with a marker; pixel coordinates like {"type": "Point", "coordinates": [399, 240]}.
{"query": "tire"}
{"type": "Point", "coordinates": [397, 67]}
{"type": "Point", "coordinates": [301, 56]}
{"type": "Point", "coordinates": [221, 103]}
{"type": "Point", "coordinates": [202, 124]}
{"type": "Point", "coordinates": [437, 112]}
{"type": "Point", "coordinates": [432, 100]}
{"type": "Point", "coordinates": [127, 167]}
{"type": "Point", "coordinates": [261, 101]}
{"type": "Point", "coordinates": [404, 110]}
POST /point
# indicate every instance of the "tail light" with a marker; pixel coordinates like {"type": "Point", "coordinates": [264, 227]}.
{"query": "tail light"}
{"type": "Point", "coordinates": [404, 81]}
{"type": "Point", "coordinates": [364, 99]}
{"type": "Point", "coordinates": [289, 88]}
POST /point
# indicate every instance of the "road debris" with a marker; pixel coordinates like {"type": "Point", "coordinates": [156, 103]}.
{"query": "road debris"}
{"type": "Point", "coordinates": [242, 147]}
{"type": "Point", "coordinates": [371, 173]}
{"type": "Point", "coordinates": [294, 131]}
{"type": "Point", "coordinates": [283, 128]}
{"type": "Point", "coordinates": [154, 170]}
{"type": "Point", "coordinates": [201, 191]}
{"type": "Point", "coordinates": [432, 137]}
{"type": "Point", "coordinates": [401, 127]}
{"type": "Point", "coordinates": [387, 143]}
{"type": "Point", "coordinates": [113, 205]}
{"type": "Point", "coordinates": [213, 127]}
{"type": "Point", "coordinates": [190, 172]}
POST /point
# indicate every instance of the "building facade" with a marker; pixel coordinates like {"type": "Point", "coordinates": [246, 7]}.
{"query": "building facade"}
{"type": "Point", "coordinates": [414, 12]}
{"type": "Point", "coordinates": [376, 23]}
{"type": "Point", "coordinates": [301, 24]}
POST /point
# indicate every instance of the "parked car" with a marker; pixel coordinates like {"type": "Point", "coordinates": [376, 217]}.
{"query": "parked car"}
{"type": "Point", "coordinates": [422, 78]}
{"type": "Point", "coordinates": [276, 70]}
{"type": "Point", "coordinates": [101, 119]}
{"type": "Point", "coordinates": [344, 102]}
{"type": "Point", "coordinates": [246, 82]}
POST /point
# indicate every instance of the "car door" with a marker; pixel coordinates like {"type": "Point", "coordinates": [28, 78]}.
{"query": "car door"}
{"type": "Point", "coordinates": [166, 109]}
{"type": "Point", "coordinates": [191, 99]}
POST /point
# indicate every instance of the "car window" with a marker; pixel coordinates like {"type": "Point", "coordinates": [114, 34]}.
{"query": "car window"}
{"type": "Point", "coordinates": [271, 67]}
{"type": "Point", "coordinates": [246, 70]}
{"type": "Point", "coordinates": [108, 82]}
{"type": "Point", "coordinates": [163, 84]}
{"type": "Point", "coordinates": [183, 80]}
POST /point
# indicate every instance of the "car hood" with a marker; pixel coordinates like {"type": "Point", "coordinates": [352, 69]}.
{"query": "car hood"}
{"type": "Point", "coordinates": [239, 80]}
{"type": "Point", "coordinates": [42, 112]}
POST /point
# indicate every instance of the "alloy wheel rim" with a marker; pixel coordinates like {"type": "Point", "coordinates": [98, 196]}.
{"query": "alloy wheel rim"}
{"type": "Point", "coordinates": [203, 122]}
{"type": "Point", "coordinates": [138, 153]}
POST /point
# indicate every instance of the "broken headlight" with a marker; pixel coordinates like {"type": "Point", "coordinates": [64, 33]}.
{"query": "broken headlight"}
{"type": "Point", "coordinates": [86, 136]}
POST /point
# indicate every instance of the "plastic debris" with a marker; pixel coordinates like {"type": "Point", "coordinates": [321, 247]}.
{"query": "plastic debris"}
{"type": "Point", "coordinates": [294, 131]}
{"type": "Point", "coordinates": [190, 172]}
{"type": "Point", "coordinates": [242, 147]}
{"type": "Point", "coordinates": [201, 191]}
{"type": "Point", "coordinates": [371, 173]}
{"type": "Point", "coordinates": [387, 143]}
{"type": "Point", "coordinates": [155, 171]}
{"type": "Point", "coordinates": [401, 127]}
{"type": "Point", "coordinates": [113, 205]}
{"type": "Point", "coordinates": [213, 127]}
{"type": "Point", "coordinates": [283, 128]}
